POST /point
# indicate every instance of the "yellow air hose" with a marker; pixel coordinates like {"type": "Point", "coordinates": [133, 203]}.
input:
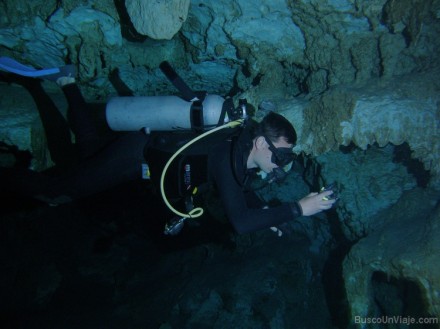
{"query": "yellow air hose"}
{"type": "Point", "coordinates": [196, 212]}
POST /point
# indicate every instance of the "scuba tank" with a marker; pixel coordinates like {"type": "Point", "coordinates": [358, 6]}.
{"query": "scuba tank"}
{"type": "Point", "coordinates": [162, 113]}
{"type": "Point", "coordinates": [165, 113]}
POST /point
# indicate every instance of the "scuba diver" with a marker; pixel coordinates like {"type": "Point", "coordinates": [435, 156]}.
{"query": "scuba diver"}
{"type": "Point", "coordinates": [232, 162]}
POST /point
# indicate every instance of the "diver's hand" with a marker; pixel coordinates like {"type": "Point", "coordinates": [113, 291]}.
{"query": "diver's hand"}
{"type": "Point", "coordinates": [314, 203]}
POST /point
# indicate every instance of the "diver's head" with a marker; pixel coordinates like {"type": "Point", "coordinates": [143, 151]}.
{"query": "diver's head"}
{"type": "Point", "coordinates": [273, 141]}
{"type": "Point", "coordinates": [275, 126]}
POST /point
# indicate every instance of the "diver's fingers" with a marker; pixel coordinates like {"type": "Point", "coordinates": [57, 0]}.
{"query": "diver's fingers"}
{"type": "Point", "coordinates": [327, 204]}
{"type": "Point", "coordinates": [328, 200]}
{"type": "Point", "coordinates": [326, 193]}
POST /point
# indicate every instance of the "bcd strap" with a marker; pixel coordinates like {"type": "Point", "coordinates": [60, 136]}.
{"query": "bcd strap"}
{"type": "Point", "coordinates": [196, 116]}
{"type": "Point", "coordinates": [227, 107]}
{"type": "Point", "coordinates": [177, 81]}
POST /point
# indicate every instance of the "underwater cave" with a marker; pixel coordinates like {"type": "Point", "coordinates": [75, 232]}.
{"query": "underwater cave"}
{"type": "Point", "coordinates": [358, 81]}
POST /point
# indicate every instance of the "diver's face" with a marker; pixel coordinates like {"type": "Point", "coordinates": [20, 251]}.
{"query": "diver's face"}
{"type": "Point", "coordinates": [263, 155]}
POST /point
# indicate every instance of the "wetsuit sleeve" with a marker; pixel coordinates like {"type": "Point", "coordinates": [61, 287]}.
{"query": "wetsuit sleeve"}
{"type": "Point", "coordinates": [243, 218]}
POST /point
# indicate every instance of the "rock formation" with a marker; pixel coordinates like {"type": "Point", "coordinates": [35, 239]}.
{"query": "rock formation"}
{"type": "Point", "coordinates": [382, 265]}
{"type": "Point", "coordinates": [158, 19]}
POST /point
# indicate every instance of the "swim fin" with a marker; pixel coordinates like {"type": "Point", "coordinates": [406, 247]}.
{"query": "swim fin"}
{"type": "Point", "coordinates": [10, 65]}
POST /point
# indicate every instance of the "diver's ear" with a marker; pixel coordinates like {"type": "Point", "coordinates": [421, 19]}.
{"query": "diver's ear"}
{"type": "Point", "coordinates": [260, 142]}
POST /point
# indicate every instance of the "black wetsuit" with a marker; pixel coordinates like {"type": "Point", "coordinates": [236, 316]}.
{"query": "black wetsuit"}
{"type": "Point", "coordinates": [244, 209]}
{"type": "Point", "coordinates": [97, 168]}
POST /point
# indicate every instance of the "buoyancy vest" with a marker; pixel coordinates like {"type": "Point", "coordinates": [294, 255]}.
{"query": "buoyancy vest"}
{"type": "Point", "coordinates": [189, 172]}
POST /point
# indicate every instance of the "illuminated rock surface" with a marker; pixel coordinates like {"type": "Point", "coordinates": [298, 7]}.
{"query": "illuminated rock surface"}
{"type": "Point", "coordinates": [158, 19]}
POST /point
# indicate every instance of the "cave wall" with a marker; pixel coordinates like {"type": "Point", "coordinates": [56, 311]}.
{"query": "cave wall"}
{"type": "Point", "coordinates": [413, 263]}
{"type": "Point", "coordinates": [294, 46]}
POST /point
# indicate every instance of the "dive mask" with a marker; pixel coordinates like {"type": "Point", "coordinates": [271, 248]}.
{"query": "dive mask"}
{"type": "Point", "coordinates": [283, 157]}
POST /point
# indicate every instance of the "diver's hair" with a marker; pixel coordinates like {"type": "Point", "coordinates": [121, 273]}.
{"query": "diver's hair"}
{"type": "Point", "coordinates": [274, 126]}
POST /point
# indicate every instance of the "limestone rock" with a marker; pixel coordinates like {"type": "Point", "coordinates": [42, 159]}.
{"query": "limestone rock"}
{"type": "Point", "coordinates": [299, 47]}
{"type": "Point", "coordinates": [79, 20]}
{"type": "Point", "coordinates": [158, 19]}
{"type": "Point", "coordinates": [382, 274]}
{"type": "Point", "coordinates": [368, 182]}
{"type": "Point", "coordinates": [14, 13]}
{"type": "Point", "coordinates": [402, 110]}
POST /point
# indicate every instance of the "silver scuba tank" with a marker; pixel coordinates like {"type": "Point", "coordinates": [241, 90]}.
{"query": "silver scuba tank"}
{"type": "Point", "coordinates": [160, 113]}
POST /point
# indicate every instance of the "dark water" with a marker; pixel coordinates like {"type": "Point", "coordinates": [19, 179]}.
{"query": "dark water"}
{"type": "Point", "coordinates": [103, 262]}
